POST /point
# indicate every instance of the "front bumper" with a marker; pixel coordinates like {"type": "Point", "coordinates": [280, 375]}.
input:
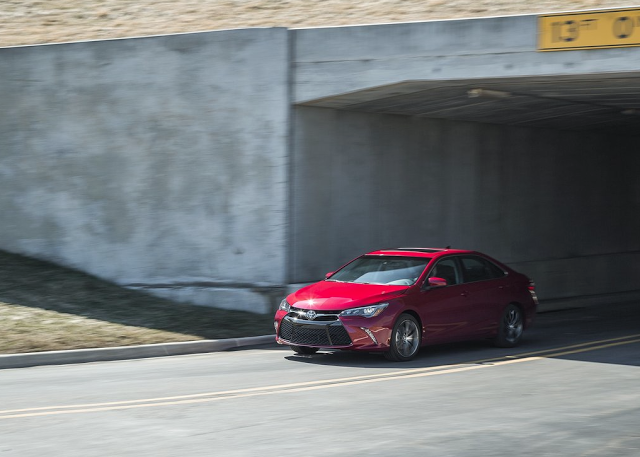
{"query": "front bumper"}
{"type": "Point", "coordinates": [354, 333]}
{"type": "Point", "coordinates": [310, 333]}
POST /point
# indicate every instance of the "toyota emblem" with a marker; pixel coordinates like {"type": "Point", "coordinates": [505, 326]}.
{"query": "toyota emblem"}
{"type": "Point", "coordinates": [311, 314]}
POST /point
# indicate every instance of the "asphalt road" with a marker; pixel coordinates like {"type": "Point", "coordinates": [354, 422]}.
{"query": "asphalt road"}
{"type": "Point", "coordinates": [571, 389]}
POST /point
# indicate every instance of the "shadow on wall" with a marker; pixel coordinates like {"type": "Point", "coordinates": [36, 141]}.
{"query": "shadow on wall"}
{"type": "Point", "coordinates": [34, 283]}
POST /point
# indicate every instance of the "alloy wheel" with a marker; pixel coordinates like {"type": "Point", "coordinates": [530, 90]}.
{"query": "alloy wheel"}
{"type": "Point", "coordinates": [407, 338]}
{"type": "Point", "coordinates": [513, 324]}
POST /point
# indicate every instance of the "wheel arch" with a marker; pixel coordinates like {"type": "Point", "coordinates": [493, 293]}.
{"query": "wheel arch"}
{"type": "Point", "coordinates": [415, 314]}
{"type": "Point", "coordinates": [520, 306]}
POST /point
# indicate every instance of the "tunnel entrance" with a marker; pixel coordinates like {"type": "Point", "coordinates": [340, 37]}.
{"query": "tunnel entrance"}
{"type": "Point", "coordinates": [606, 103]}
{"type": "Point", "coordinates": [540, 172]}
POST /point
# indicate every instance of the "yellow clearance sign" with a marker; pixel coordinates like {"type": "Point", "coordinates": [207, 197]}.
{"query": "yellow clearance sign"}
{"type": "Point", "coordinates": [589, 30]}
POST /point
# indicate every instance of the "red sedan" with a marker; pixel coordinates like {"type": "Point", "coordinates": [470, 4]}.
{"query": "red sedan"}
{"type": "Point", "coordinates": [395, 301]}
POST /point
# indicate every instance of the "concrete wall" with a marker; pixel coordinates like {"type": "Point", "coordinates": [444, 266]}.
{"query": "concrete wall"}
{"type": "Point", "coordinates": [159, 162]}
{"type": "Point", "coordinates": [164, 163]}
{"type": "Point", "coordinates": [355, 58]}
{"type": "Point", "coordinates": [560, 206]}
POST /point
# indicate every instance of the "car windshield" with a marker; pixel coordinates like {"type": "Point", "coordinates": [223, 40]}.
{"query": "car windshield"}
{"type": "Point", "coordinates": [398, 271]}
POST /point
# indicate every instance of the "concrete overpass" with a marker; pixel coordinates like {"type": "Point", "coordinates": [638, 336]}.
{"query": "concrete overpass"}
{"type": "Point", "coordinates": [221, 167]}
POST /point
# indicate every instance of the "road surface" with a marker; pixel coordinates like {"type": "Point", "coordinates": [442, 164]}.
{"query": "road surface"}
{"type": "Point", "coordinates": [571, 389]}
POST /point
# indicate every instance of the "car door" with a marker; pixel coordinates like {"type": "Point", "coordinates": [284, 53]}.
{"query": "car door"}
{"type": "Point", "coordinates": [445, 310]}
{"type": "Point", "coordinates": [485, 286]}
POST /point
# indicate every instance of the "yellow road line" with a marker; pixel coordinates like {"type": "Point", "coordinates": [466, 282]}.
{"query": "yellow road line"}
{"type": "Point", "coordinates": [590, 343]}
{"type": "Point", "coordinates": [240, 391]}
{"type": "Point", "coordinates": [315, 385]}
{"type": "Point", "coordinates": [604, 346]}
{"type": "Point", "coordinates": [326, 381]}
{"type": "Point", "coordinates": [258, 393]}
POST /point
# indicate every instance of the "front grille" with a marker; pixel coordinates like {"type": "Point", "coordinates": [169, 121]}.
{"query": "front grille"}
{"type": "Point", "coordinates": [286, 329]}
{"type": "Point", "coordinates": [321, 316]}
{"type": "Point", "coordinates": [314, 335]}
{"type": "Point", "coordinates": [339, 336]}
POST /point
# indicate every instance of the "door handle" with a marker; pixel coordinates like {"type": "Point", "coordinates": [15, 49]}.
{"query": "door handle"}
{"type": "Point", "coordinates": [464, 293]}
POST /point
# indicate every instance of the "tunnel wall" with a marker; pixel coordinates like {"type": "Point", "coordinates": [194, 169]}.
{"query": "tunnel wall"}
{"type": "Point", "coordinates": [559, 206]}
{"type": "Point", "coordinates": [361, 57]}
{"type": "Point", "coordinates": [159, 163]}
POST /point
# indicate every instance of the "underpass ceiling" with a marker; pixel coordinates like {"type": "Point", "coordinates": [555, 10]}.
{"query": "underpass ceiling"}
{"type": "Point", "coordinates": [607, 103]}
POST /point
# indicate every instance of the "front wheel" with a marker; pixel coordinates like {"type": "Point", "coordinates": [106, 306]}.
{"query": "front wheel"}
{"type": "Point", "coordinates": [511, 328]}
{"type": "Point", "coordinates": [405, 339]}
{"type": "Point", "coordinates": [304, 350]}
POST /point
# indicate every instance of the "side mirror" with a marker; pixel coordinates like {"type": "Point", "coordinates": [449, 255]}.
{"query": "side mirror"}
{"type": "Point", "coordinates": [328, 275]}
{"type": "Point", "coordinates": [436, 282]}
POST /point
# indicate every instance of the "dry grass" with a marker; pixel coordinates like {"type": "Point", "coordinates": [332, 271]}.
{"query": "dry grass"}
{"type": "Point", "coordinates": [51, 21]}
{"type": "Point", "coordinates": [46, 307]}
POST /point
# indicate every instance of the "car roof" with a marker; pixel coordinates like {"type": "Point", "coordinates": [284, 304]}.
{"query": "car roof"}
{"type": "Point", "coordinates": [419, 252]}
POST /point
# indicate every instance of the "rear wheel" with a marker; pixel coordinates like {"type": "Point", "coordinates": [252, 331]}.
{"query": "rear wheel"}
{"type": "Point", "coordinates": [303, 350]}
{"type": "Point", "coordinates": [511, 328]}
{"type": "Point", "coordinates": [405, 339]}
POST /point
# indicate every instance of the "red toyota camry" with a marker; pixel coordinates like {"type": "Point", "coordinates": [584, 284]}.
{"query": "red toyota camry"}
{"type": "Point", "coordinates": [395, 301]}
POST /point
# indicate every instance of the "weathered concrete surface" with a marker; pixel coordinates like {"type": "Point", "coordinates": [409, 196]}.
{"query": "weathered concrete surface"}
{"type": "Point", "coordinates": [559, 206]}
{"type": "Point", "coordinates": [152, 160]}
{"type": "Point", "coordinates": [355, 58]}
{"type": "Point", "coordinates": [247, 297]}
{"type": "Point", "coordinates": [164, 163]}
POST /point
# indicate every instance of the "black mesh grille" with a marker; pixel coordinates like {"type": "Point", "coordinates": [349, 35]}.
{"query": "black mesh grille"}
{"type": "Point", "coordinates": [339, 336]}
{"type": "Point", "coordinates": [313, 336]}
{"type": "Point", "coordinates": [286, 329]}
{"type": "Point", "coordinates": [329, 335]}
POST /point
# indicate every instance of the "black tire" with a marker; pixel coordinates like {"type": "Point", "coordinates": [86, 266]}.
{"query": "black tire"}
{"type": "Point", "coordinates": [511, 328]}
{"type": "Point", "coordinates": [406, 338]}
{"type": "Point", "coordinates": [304, 350]}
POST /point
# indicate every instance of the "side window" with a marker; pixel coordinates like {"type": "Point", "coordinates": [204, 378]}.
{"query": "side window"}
{"type": "Point", "coordinates": [496, 270]}
{"type": "Point", "coordinates": [479, 269]}
{"type": "Point", "coordinates": [446, 269]}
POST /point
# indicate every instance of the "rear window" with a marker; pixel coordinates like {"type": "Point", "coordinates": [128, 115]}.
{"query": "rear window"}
{"type": "Point", "coordinates": [479, 269]}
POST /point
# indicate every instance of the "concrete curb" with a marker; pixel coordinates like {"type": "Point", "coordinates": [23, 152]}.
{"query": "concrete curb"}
{"type": "Point", "coordinates": [32, 359]}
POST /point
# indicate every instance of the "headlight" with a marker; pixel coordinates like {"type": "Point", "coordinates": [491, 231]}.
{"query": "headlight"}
{"type": "Point", "coordinates": [284, 306]}
{"type": "Point", "coordinates": [365, 311]}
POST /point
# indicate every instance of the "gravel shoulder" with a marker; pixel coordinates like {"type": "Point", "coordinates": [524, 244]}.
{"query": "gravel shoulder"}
{"type": "Point", "coordinates": [45, 307]}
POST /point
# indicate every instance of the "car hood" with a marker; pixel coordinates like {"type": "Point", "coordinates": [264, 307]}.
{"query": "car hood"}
{"type": "Point", "coordinates": [336, 296]}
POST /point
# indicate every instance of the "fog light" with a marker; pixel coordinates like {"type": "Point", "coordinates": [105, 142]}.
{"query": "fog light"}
{"type": "Point", "coordinates": [368, 332]}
